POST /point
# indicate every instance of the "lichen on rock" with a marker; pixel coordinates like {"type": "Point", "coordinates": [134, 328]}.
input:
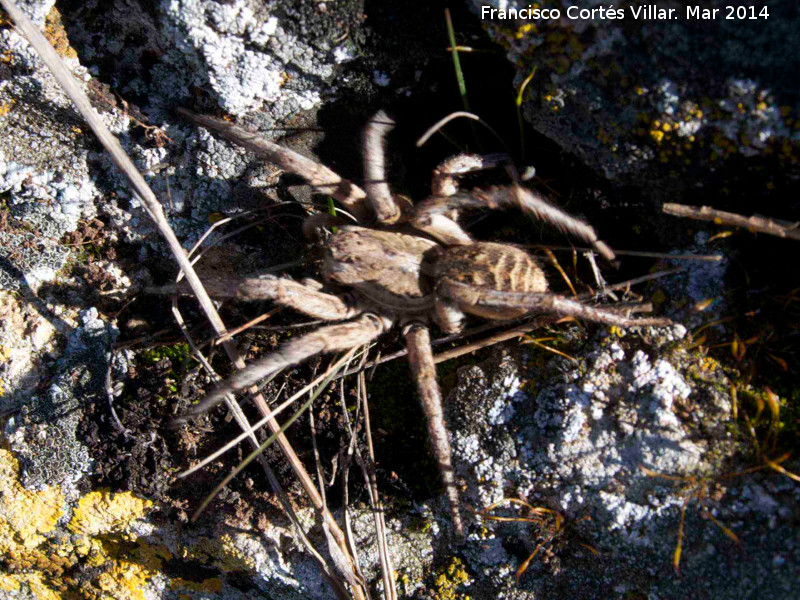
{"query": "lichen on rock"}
{"type": "Point", "coordinates": [659, 103]}
{"type": "Point", "coordinates": [617, 438]}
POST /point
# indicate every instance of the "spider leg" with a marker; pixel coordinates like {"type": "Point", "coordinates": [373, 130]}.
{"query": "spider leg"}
{"type": "Point", "coordinates": [565, 306]}
{"type": "Point", "coordinates": [431, 215]}
{"type": "Point", "coordinates": [319, 176]}
{"type": "Point", "coordinates": [304, 298]}
{"type": "Point", "coordinates": [437, 216]}
{"type": "Point", "coordinates": [420, 356]}
{"type": "Point", "coordinates": [467, 296]}
{"type": "Point", "coordinates": [331, 338]}
{"type": "Point", "coordinates": [573, 308]}
{"type": "Point", "coordinates": [379, 195]}
{"type": "Point", "coordinates": [448, 316]}
{"type": "Point", "coordinates": [533, 203]}
{"type": "Point", "coordinates": [444, 181]}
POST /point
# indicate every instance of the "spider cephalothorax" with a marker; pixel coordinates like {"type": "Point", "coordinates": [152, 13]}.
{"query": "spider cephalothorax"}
{"type": "Point", "coordinates": [412, 266]}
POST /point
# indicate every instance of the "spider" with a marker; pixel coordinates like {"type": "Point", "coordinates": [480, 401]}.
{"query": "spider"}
{"type": "Point", "coordinates": [402, 265]}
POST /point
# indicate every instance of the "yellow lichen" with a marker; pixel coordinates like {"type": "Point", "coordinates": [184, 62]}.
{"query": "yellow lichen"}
{"type": "Point", "coordinates": [40, 562]}
{"type": "Point", "coordinates": [6, 107]}
{"type": "Point", "coordinates": [404, 582]}
{"type": "Point", "coordinates": [450, 579]}
{"type": "Point", "coordinates": [708, 364]}
{"type": "Point", "coordinates": [34, 582]}
{"type": "Point", "coordinates": [222, 553]}
{"type": "Point", "coordinates": [8, 583]}
{"type": "Point", "coordinates": [524, 30]}
{"type": "Point", "coordinates": [124, 581]}
{"type": "Point", "coordinates": [212, 585]}
{"type": "Point", "coordinates": [152, 556]}
{"type": "Point", "coordinates": [102, 512]}
{"type": "Point", "coordinates": [56, 35]}
{"type": "Point", "coordinates": [616, 331]}
{"type": "Point", "coordinates": [25, 516]}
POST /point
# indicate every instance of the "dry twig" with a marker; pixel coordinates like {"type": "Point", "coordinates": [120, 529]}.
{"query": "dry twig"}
{"type": "Point", "coordinates": [784, 229]}
{"type": "Point", "coordinates": [156, 213]}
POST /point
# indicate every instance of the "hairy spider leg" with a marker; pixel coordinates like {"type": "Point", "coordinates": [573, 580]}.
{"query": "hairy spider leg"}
{"type": "Point", "coordinates": [469, 298]}
{"type": "Point", "coordinates": [319, 176]}
{"type": "Point", "coordinates": [432, 215]}
{"type": "Point", "coordinates": [331, 338]}
{"type": "Point", "coordinates": [387, 211]}
{"type": "Point", "coordinates": [303, 297]}
{"type": "Point", "coordinates": [444, 180]}
{"type": "Point", "coordinates": [420, 357]}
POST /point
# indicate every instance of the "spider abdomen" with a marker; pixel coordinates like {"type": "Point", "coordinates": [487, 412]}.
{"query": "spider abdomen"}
{"type": "Point", "coordinates": [466, 273]}
{"type": "Point", "coordinates": [499, 267]}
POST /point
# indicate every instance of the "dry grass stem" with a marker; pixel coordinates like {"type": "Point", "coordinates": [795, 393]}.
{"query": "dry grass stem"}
{"type": "Point", "coordinates": [249, 429]}
{"type": "Point", "coordinates": [244, 424]}
{"type": "Point", "coordinates": [275, 436]}
{"type": "Point", "coordinates": [550, 521]}
{"type": "Point", "coordinates": [155, 211]}
{"type": "Point", "coordinates": [638, 253]}
{"type": "Point", "coordinates": [554, 261]}
{"type": "Point", "coordinates": [387, 568]}
{"type": "Point", "coordinates": [252, 322]}
{"type": "Point", "coordinates": [442, 122]}
{"type": "Point", "coordinates": [784, 229]}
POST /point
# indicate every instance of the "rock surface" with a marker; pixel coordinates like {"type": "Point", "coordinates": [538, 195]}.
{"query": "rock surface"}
{"type": "Point", "coordinates": [668, 105]}
{"type": "Point", "coordinates": [89, 503]}
{"type": "Point", "coordinates": [617, 439]}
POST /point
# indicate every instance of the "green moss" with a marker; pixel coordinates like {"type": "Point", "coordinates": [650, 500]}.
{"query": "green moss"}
{"type": "Point", "coordinates": [177, 354]}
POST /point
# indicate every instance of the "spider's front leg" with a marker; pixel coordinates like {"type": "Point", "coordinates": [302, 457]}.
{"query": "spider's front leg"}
{"type": "Point", "coordinates": [319, 176]}
{"type": "Point", "coordinates": [420, 357]}
{"type": "Point", "coordinates": [444, 181]}
{"type": "Point", "coordinates": [432, 215]}
{"type": "Point", "coordinates": [332, 338]}
{"type": "Point", "coordinates": [437, 216]}
{"type": "Point", "coordinates": [387, 211]}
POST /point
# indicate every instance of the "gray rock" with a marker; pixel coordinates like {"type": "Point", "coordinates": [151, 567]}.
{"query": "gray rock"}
{"type": "Point", "coordinates": [250, 59]}
{"type": "Point", "coordinates": [248, 56]}
{"type": "Point", "coordinates": [45, 432]}
{"type": "Point", "coordinates": [597, 440]}
{"type": "Point", "coordinates": [660, 103]}
{"type": "Point", "coordinates": [575, 447]}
